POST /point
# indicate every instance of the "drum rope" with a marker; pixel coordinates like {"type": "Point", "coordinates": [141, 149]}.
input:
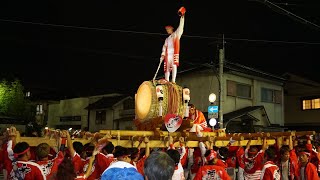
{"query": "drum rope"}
{"type": "Point", "coordinates": [173, 100]}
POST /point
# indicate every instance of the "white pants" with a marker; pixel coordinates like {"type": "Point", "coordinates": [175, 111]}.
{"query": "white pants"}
{"type": "Point", "coordinates": [173, 67]}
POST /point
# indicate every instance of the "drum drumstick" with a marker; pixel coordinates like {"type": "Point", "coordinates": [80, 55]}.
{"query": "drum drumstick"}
{"type": "Point", "coordinates": [157, 70]}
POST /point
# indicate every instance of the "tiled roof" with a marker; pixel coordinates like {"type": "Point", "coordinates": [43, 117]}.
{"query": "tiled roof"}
{"type": "Point", "coordinates": [240, 112]}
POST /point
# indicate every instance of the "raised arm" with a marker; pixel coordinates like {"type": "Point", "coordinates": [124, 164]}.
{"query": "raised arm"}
{"type": "Point", "coordinates": [182, 146]}
{"type": "Point", "coordinates": [91, 161]}
{"type": "Point", "coordinates": [264, 144]}
{"type": "Point", "coordinates": [146, 141]}
{"type": "Point", "coordinates": [248, 144]}
{"type": "Point", "coordinates": [70, 145]}
{"type": "Point", "coordinates": [180, 28]}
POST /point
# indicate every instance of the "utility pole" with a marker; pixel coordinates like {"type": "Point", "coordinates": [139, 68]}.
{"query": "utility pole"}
{"type": "Point", "coordinates": [221, 61]}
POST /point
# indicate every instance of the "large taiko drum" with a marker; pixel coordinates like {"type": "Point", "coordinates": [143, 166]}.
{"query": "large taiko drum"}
{"type": "Point", "coordinates": [147, 101]}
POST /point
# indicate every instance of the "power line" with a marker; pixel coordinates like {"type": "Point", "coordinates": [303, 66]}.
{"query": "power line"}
{"type": "Point", "coordinates": [150, 33]}
{"type": "Point", "coordinates": [288, 13]}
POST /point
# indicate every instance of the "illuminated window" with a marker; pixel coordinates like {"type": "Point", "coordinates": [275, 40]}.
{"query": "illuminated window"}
{"type": "Point", "coordinates": [311, 104]}
{"type": "Point", "coordinates": [28, 94]}
{"type": "Point", "coordinates": [39, 108]}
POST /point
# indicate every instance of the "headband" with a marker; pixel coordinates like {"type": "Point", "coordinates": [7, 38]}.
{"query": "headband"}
{"type": "Point", "coordinates": [212, 155]}
{"type": "Point", "coordinates": [306, 153]}
{"type": "Point", "coordinates": [168, 27]}
{"type": "Point", "coordinates": [23, 152]}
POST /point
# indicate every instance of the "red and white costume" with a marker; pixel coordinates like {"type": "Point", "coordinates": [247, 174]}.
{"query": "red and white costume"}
{"type": "Point", "coordinates": [170, 51]}
{"type": "Point", "coordinates": [213, 172]}
{"type": "Point", "coordinates": [308, 172]}
{"type": "Point", "coordinates": [27, 170]}
{"type": "Point", "coordinates": [179, 171]}
{"type": "Point", "coordinates": [199, 123]}
{"type": "Point", "coordinates": [78, 163]}
{"type": "Point", "coordinates": [103, 162]}
{"type": "Point", "coordinates": [314, 156]}
{"type": "Point", "coordinates": [7, 156]}
{"type": "Point", "coordinates": [270, 171]}
{"type": "Point", "coordinates": [289, 168]}
{"type": "Point", "coordinates": [253, 166]}
{"type": "Point", "coordinates": [139, 164]}
{"type": "Point", "coordinates": [50, 167]}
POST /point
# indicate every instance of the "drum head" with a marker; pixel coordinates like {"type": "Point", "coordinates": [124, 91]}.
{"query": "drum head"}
{"type": "Point", "coordinates": [143, 100]}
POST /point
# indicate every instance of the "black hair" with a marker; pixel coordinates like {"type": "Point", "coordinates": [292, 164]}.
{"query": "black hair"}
{"type": "Point", "coordinates": [175, 155]}
{"type": "Point", "coordinates": [20, 147]}
{"type": "Point", "coordinates": [270, 154]}
{"type": "Point", "coordinates": [78, 147]}
{"type": "Point", "coordinates": [121, 151]}
{"type": "Point", "coordinates": [134, 152]}
{"type": "Point", "coordinates": [223, 153]}
{"type": "Point", "coordinates": [109, 147]}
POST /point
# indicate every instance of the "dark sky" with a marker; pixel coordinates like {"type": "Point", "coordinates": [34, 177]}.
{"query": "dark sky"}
{"type": "Point", "coordinates": [95, 46]}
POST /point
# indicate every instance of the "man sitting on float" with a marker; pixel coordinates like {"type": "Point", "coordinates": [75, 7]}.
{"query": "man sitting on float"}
{"type": "Point", "coordinates": [199, 121]}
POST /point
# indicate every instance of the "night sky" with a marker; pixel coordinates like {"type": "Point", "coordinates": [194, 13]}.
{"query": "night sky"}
{"type": "Point", "coordinates": [104, 46]}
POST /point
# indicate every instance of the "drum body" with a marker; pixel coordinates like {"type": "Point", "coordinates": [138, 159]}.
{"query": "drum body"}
{"type": "Point", "coordinates": [147, 103]}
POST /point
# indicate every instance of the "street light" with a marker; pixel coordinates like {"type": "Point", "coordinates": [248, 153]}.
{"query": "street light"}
{"type": "Point", "coordinates": [212, 98]}
{"type": "Point", "coordinates": [211, 111]}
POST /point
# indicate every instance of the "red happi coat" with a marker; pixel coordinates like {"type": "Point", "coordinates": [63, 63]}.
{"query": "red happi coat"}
{"type": "Point", "coordinates": [292, 164]}
{"type": "Point", "coordinates": [310, 172]}
{"type": "Point", "coordinates": [50, 167]}
{"type": "Point", "coordinates": [27, 170]}
{"type": "Point", "coordinates": [253, 166]}
{"type": "Point", "coordinates": [270, 171]}
{"type": "Point", "coordinates": [212, 172]}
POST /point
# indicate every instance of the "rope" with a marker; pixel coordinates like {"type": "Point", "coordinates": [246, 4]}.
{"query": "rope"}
{"type": "Point", "coordinates": [172, 99]}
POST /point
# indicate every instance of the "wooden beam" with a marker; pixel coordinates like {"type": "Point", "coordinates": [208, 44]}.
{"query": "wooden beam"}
{"type": "Point", "coordinates": [129, 138]}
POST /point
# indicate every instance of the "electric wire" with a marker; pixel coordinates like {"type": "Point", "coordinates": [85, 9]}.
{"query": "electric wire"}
{"type": "Point", "coordinates": [151, 33]}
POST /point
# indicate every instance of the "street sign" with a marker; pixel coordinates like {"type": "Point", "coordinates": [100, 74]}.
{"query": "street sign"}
{"type": "Point", "coordinates": [213, 109]}
{"type": "Point", "coordinates": [213, 115]}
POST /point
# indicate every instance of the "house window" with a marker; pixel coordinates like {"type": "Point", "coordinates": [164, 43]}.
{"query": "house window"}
{"type": "Point", "coordinates": [311, 104]}
{"type": "Point", "coordinates": [39, 109]}
{"type": "Point", "coordinates": [271, 96]}
{"type": "Point", "coordinates": [101, 117]}
{"type": "Point", "coordinates": [28, 94]}
{"type": "Point", "coordinates": [238, 89]}
{"type": "Point", "coordinates": [70, 118]}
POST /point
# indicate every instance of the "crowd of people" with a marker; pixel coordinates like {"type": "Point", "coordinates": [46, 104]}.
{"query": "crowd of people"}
{"type": "Point", "coordinates": [100, 159]}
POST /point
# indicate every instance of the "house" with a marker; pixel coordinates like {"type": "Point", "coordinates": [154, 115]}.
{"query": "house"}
{"type": "Point", "coordinates": [252, 100]}
{"type": "Point", "coordinates": [302, 103]}
{"type": "Point", "coordinates": [109, 111]}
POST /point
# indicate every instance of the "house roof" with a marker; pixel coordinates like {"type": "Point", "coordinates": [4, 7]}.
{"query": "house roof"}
{"type": "Point", "coordinates": [241, 112]}
{"type": "Point", "coordinates": [106, 102]}
{"type": "Point", "coordinates": [232, 68]}
{"type": "Point", "coordinates": [11, 120]}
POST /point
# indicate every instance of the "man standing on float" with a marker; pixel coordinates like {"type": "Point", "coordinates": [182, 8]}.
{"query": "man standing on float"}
{"type": "Point", "coordinates": [171, 48]}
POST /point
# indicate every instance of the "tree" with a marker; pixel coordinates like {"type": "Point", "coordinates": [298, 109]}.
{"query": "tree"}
{"type": "Point", "coordinates": [13, 102]}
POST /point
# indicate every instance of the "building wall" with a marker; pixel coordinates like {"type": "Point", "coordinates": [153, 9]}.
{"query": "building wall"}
{"type": "Point", "coordinates": [298, 88]}
{"type": "Point", "coordinates": [68, 107]}
{"type": "Point", "coordinates": [201, 84]}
